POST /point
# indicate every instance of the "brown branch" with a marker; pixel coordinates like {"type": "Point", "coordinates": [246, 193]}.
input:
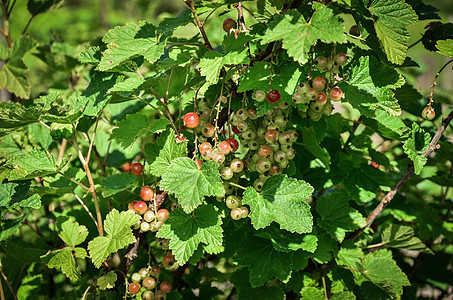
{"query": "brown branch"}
{"type": "Point", "coordinates": [190, 4]}
{"type": "Point", "coordinates": [8, 284]}
{"type": "Point", "coordinates": [388, 198]}
{"type": "Point", "coordinates": [431, 101]}
{"type": "Point", "coordinates": [241, 16]}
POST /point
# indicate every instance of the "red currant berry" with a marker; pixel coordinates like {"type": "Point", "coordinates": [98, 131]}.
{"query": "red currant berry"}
{"type": "Point", "coordinates": [219, 157]}
{"type": "Point", "coordinates": [131, 204]}
{"type": "Point", "coordinates": [341, 59]}
{"type": "Point", "coordinates": [136, 277]}
{"type": "Point", "coordinates": [224, 147]}
{"type": "Point", "coordinates": [312, 94]}
{"type": "Point", "coordinates": [428, 113]}
{"type": "Point", "coordinates": [319, 83]}
{"type": "Point", "coordinates": [233, 143]}
{"type": "Point", "coordinates": [336, 94]}
{"type": "Point", "coordinates": [265, 151]}
{"type": "Point", "coordinates": [229, 24]}
{"type": "Point", "coordinates": [235, 129]}
{"type": "Point", "coordinates": [191, 120]}
{"type": "Point", "coordinates": [208, 130]}
{"type": "Point", "coordinates": [134, 287]}
{"type": "Point", "coordinates": [241, 114]}
{"type": "Point", "coordinates": [165, 287]}
{"type": "Point", "coordinates": [147, 193]}
{"type": "Point", "coordinates": [168, 261]}
{"type": "Point", "coordinates": [236, 213]}
{"type": "Point", "coordinates": [204, 146]}
{"type": "Point", "coordinates": [258, 184]}
{"type": "Point", "coordinates": [137, 168]}
{"type": "Point", "coordinates": [226, 173]}
{"type": "Point", "coordinates": [126, 167]}
{"type": "Point", "coordinates": [149, 215]}
{"type": "Point", "coordinates": [140, 207]}
{"type": "Point", "coordinates": [320, 63]}
{"type": "Point", "coordinates": [252, 114]}
{"type": "Point", "coordinates": [271, 135]}
{"type": "Point", "coordinates": [208, 154]}
{"type": "Point", "coordinates": [232, 202]}
{"type": "Point", "coordinates": [260, 95]}
{"type": "Point", "coordinates": [162, 215]}
{"type": "Point", "coordinates": [160, 295]}
{"type": "Point", "coordinates": [273, 96]}
{"type": "Point", "coordinates": [237, 165]}
{"type": "Point", "coordinates": [155, 271]}
{"type": "Point", "coordinates": [148, 295]}
{"type": "Point", "coordinates": [322, 98]}
{"type": "Point", "coordinates": [244, 211]}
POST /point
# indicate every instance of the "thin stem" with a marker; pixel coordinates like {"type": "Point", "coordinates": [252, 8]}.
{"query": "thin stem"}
{"type": "Point", "coordinates": [210, 13]}
{"type": "Point", "coordinates": [8, 284]}
{"type": "Point", "coordinates": [376, 245]}
{"type": "Point", "coordinates": [190, 4]}
{"type": "Point", "coordinates": [388, 198]}
{"type": "Point", "coordinates": [92, 187]}
{"type": "Point", "coordinates": [353, 130]}
{"type": "Point", "coordinates": [44, 124]}
{"type": "Point", "coordinates": [186, 44]}
{"type": "Point", "coordinates": [75, 181]}
{"type": "Point", "coordinates": [92, 141]}
{"type": "Point", "coordinates": [2, 293]}
{"type": "Point", "coordinates": [241, 16]}
{"type": "Point", "coordinates": [237, 185]}
{"type": "Point", "coordinates": [415, 43]}
{"type": "Point", "coordinates": [431, 101]}
{"type": "Point", "coordinates": [168, 86]}
{"type": "Point", "coordinates": [324, 287]}
{"type": "Point", "coordinates": [61, 150]}
{"type": "Point", "coordinates": [86, 208]}
{"type": "Point", "coordinates": [28, 24]}
{"type": "Point", "coordinates": [10, 9]}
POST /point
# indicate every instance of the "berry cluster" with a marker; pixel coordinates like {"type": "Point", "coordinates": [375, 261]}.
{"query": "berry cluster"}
{"type": "Point", "coordinates": [317, 97]}
{"type": "Point", "coordinates": [148, 278]}
{"type": "Point", "coordinates": [238, 211]}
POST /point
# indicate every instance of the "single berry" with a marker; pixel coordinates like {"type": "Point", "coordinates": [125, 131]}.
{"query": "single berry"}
{"type": "Point", "coordinates": [208, 130]}
{"type": "Point", "coordinates": [136, 277]}
{"type": "Point", "coordinates": [322, 98]}
{"type": "Point", "coordinates": [229, 24]}
{"type": "Point", "coordinates": [312, 94]}
{"type": "Point", "coordinates": [218, 157]}
{"type": "Point", "coordinates": [252, 114]}
{"type": "Point", "coordinates": [428, 113]}
{"type": "Point", "coordinates": [260, 95]}
{"type": "Point", "coordinates": [244, 211]}
{"type": "Point", "coordinates": [160, 295]}
{"type": "Point", "coordinates": [147, 193]}
{"type": "Point", "coordinates": [208, 154]}
{"type": "Point", "coordinates": [241, 114]}
{"type": "Point", "coordinates": [148, 295]}
{"type": "Point", "coordinates": [149, 215]}
{"type": "Point", "coordinates": [265, 151]}
{"type": "Point", "coordinates": [134, 287]}
{"type": "Point", "coordinates": [164, 243]}
{"type": "Point", "coordinates": [204, 146]}
{"type": "Point", "coordinates": [191, 120]}
{"type": "Point", "coordinates": [224, 147]}
{"type": "Point", "coordinates": [126, 167]}
{"type": "Point", "coordinates": [140, 207]}
{"type": "Point", "coordinates": [143, 272]}
{"type": "Point", "coordinates": [233, 143]}
{"type": "Point", "coordinates": [271, 135]}
{"type": "Point", "coordinates": [232, 202]}
{"type": "Point", "coordinates": [136, 168]}
{"type": "Point", "coordinates": [168, 261]}
{"type": "Point", "coordinates": [297, 98]}
{"type": "Point", "coordinates": [165, 287]}
{"type": "Point", "coordinates": [204, 113]}
{"type": "Point", "coordinates": [280, 156]}
{"type": "Point", "coordinates": [354, 30]}
{"type": "Point", "coordinates": [155, 271]}
{"type": "Point", "coordinates": [236, 213]}
{"type": "Point", "coordinates": [273, 96]}
{"type": "Point", "coordinates": [130, 205]}
{"type": "Point", "coordinates": [263, 165]}
{"type": "Point", "coordinates": [320, 63]}
{"type": "Point", "coordinates": [226, 173]}
{"type": "Point", "coordinates": [341, 59]}
{"type": "Point", "coordinates": [162, 215]}
{"type": "Point", "coordinates": [319, 83]}
{"type": "Point", "coordinates": [336, 94]}
{"type": "Point", "coordinates": [242, 126]}
{"type": "Point", "coordinates": [258, 184]}
{"type": "Point", "coordinates": [144, 226]}
{"type": "Point", "coordinates": [237, 165]}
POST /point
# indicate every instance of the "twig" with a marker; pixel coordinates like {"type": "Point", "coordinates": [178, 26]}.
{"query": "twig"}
{"type": "Point", "coordinates": [388, 198]}
{"type": "Point", "coordinates": [2, 293]}
{"type": "Point", "coordinates": [237, 185]}
{"type": "Point", "coordinates": [415, 43]}
{"type": "Point", "coordinates": [431, 101]}
{"type": "Point", "coordinates": [28, 24]}
{"type": "Point", "coordinates": [75, 181]}
{"type": "Point", "coordinates": [210, 13]}
{"type": "Point", "coordinates": [62, 149]}
{"type": "Point", "coordinates": [324, 287]}
{"type": "Point", "coordinates": [8, 284]}
{"type": "Point", "coordinates": [44, 124]}
{"type": "Point", "coordinates": [190, 4]}
{"type": "Point", "coordinates": [10, 9]}
{"type": "Point", "coordinates": [92, 187]}
{"type": "Point", "coordinates": [92, 141]}
{"type": "Point", "coordinates": [241, 16]}
{"type": "Point", "coordinates": [86, 208]}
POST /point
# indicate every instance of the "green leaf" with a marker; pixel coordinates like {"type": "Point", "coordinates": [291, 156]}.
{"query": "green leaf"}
{"type": "Point", "coordinates": [415, 145]}
{"type": "Point", "coordinates": [263, 261]}
{"type": "Point", "coordinates": [445, 47]}
{"type": "Point", "coordinates": [400, 236]}
{"type": "Point", "coordinates": [160, 154]}
{"type": "Point", "coordinates": [129, 41]}
{"type": "Point", "coordinates": [190, 185]}
{"type": "Point", "coordinates": [285, 241]}
{"type": "Point", "coordinates": [388, 126]}
{"type": "Point", "coordinates": [117, 183]}
{"type": "Point", "coordinates": [9, 227]}
{"type": "Point", "coordinates": [312, 293]}
{"type": "Point", "coordinates": [171, 24]}
{"type": "Point", "coordinates": [13, 77]}
{"type": "Point", "coordinates": [255, 78]}
{"type": "Point", "coordinates": [159, 125]}
{"type": "Point", "coordinates": [16, 115]}
{"type": "Point", "coordinates": [14, 195]}
{"type": "Point", "coordinates": [91, 55]}
{"type": "Point", "coordinates": [337, 217]}
{"type": "Point", "coordinates": [22, 252]}
{"type": "Point", "coordinates": [212, 63]}
{"type": "Point", "coordinates": [186, 232]}
{"type": "Point", "coordinates": [107, 281]}
{"type": "Point", "coordinates": [127, 87]}
{"type": "Point", "coordinates": [130, 129]}
{"type": "Point", "coordinates": [281, 201]}
{"type": "Point", "coordinates": [299, 35]}
{"type": "Point", "coordinates": [391, 17]}
{"type": "Point", "coordinates": [369, 86]}
{"type": "Point", "coordinates": [62, 259]}
{"type": "Point", "coordinates": [311, 142]}
{"type": "Point", "coordinates": [39, 6]}
{"type": "Point", "coordinates": [379, 268]}
{"type": "Point", "coordinates": [343, 296]}
{"type": "Point", "coordinates": [35, 163]}
{"type": "Point", "coordinates": [72, 233]}
{"type": "Point", "coordinates": [119, 234]}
